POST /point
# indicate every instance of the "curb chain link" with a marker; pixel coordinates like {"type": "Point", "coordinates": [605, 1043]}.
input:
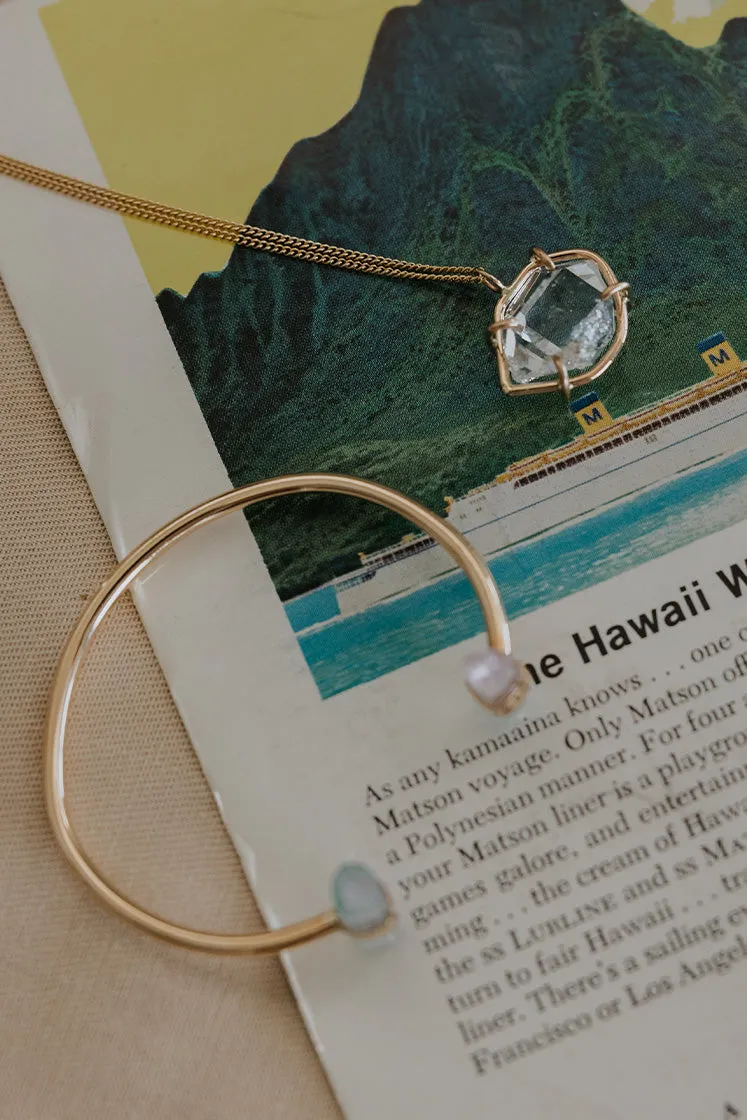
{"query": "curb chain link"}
{"type": "Point", "coordinates": [250, 237]}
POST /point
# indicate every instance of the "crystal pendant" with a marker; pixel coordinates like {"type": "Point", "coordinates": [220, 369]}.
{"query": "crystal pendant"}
{"type": "Point", "coordinates": [558, 319]}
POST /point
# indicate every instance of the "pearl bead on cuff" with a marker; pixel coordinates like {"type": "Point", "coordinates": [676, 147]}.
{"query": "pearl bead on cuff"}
{"type": "Point", "coordinates": [497, 680]}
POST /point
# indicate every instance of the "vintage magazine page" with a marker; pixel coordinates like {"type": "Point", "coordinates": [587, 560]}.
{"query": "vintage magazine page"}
{"type": "Point", "coordinates": [571, 883]}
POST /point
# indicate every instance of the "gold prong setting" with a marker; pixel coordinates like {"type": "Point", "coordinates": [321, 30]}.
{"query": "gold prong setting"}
{"type": "Point", "coordinates": [508, 320]}
{"type": "Point", "coordinates": [564, 379]}
{"type": "Point", "coordinates": [611, 290]}
{"type": "Point", "coordinates": [543, 258]}
{"type": "Point", "coordinates": [504, 325]}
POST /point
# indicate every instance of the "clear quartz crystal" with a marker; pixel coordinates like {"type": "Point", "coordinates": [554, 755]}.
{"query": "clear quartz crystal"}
{"type": "Point", "coordinates": [559, 313]}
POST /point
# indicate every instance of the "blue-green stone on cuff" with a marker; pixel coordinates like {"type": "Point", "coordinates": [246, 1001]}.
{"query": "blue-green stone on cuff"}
{"type": "Point", "coordinates": [359, 899]}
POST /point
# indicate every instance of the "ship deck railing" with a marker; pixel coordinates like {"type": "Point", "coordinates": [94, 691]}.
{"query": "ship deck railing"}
{"type": "Point", "coordinates": [635, 425]}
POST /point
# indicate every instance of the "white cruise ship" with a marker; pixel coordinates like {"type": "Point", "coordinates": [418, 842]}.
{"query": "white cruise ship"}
{"type": "Point", "coordinates": [545, 491]}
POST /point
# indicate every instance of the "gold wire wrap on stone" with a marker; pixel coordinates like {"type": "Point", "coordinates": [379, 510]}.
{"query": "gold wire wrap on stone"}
{"type": "Point", "coordinates": [130, 569]}
{"type": "Point", "coordinates": [616, 290]}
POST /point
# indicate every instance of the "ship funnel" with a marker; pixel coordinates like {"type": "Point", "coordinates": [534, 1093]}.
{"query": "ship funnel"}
{"type": "Point", "coordinates": [718, 354]}
{"type": "Point", "coordinates": [591, 413]}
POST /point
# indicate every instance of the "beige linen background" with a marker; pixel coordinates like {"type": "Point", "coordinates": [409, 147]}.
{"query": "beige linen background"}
{"type": "Point", "coordinates": [96, 1019]}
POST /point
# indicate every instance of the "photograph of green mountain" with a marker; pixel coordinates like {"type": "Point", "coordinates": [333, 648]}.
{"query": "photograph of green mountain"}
{"type": "Point", "coordinates": [483, 128]}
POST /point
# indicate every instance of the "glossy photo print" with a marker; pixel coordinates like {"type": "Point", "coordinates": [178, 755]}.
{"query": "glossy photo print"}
{"type": "Point", "coordinates": [482, 128]}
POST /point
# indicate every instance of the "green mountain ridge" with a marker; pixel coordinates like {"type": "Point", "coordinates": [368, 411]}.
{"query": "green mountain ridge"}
{"type": "Point", "coordinates": [483, 127]}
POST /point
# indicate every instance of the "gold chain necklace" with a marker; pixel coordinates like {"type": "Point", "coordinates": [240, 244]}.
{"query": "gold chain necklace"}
{"type": "Point", "coordinates": [528, 362]}
{"type": "Point", "coordinates": [251, 237]}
